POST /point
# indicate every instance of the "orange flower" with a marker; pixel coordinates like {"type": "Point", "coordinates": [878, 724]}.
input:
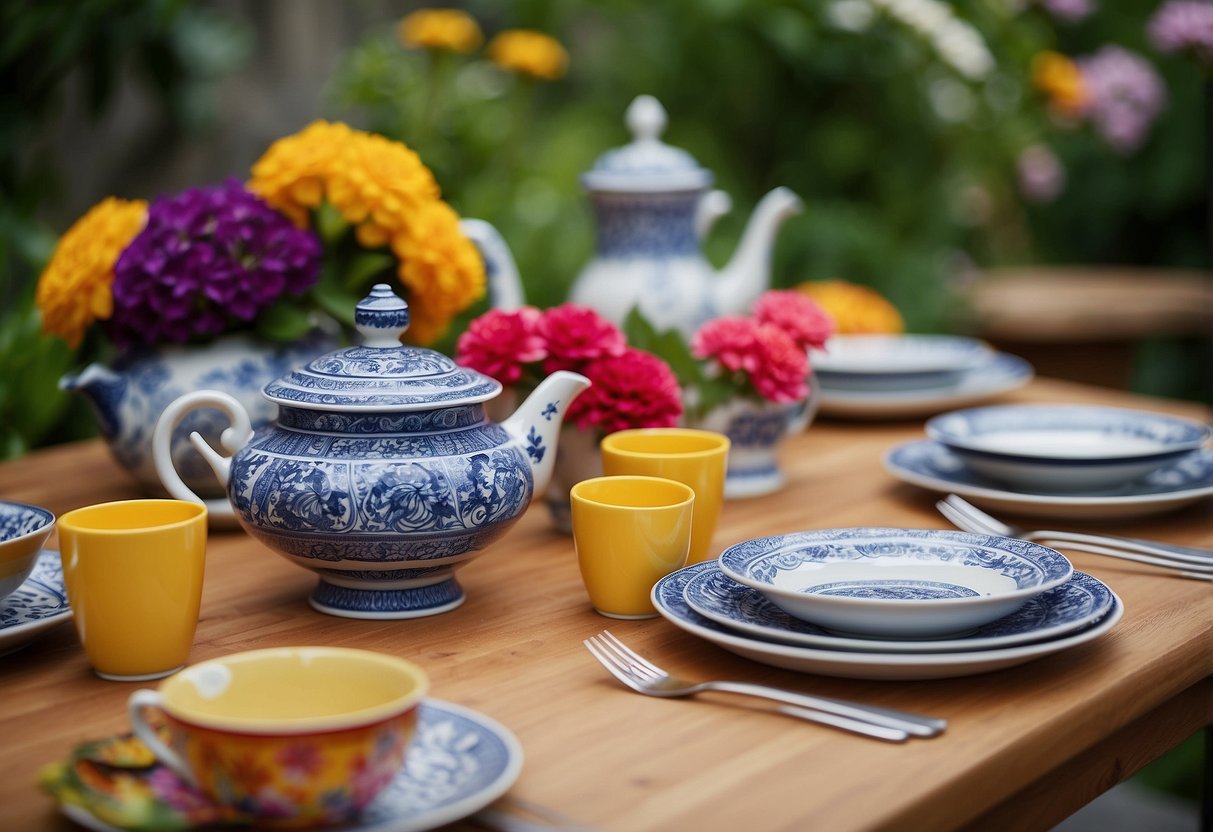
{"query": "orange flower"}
{"type": "Point", "coordinates": [1060, 79]}
{"type": "Point", "coordinates": [855, 309]}
{"type": "Point", "coordinates": [75, 288]}
{"type": "Point", "coordinates": [529, 52]}
{"type": "Point", "coordinates": [448, 29]}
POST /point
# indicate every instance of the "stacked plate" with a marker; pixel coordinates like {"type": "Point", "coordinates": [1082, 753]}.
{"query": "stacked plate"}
{"type": "Point", "coordinates": [903, 376]}
{"type": "Point", "coordinates": [1073, 461]}
{"type": "Point", "coordinates": [915, 603]}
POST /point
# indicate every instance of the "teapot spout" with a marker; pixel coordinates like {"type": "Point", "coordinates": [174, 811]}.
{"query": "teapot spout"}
{"type": "Point", "coordinates": [748, 274]}
{"type": "Point", "coordinates": [104, 390]}
{"type": "Point", "coordinates": [536, 423]}
{"type": "Point", "coordinates": [500, 271]}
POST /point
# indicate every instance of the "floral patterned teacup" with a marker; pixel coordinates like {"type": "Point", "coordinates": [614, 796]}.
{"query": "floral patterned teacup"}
{"type": "Point", "coordinates": [291, 736]}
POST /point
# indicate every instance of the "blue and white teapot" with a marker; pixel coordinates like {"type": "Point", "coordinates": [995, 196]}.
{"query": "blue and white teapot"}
{"type": "Point", "coordinates": [382, 472]}
{"type": "Point", "coordinates": [653, 203]}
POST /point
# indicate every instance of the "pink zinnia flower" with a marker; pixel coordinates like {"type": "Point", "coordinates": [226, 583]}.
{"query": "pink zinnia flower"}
{"type": "Point", "coordinates": [782, 369]}
{"type": "Point", "coordinates": [730, 341]}
{"type": "Point", "coordinates": [632, 390]}
{"type": "Point", "coordinates": [796, 314]}
{"type": "Point", "coordinates": [499, 343]}
{"type": "Point", "coordinates": [575, 335]}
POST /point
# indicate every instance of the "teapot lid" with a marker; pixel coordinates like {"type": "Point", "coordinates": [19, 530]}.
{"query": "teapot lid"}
{"type": "Point", "coordinates": [647, 164]}
{"type": "Point", "coordinates": [382, 374]}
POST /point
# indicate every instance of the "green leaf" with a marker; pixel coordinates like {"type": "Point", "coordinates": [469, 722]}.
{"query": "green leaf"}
{"type": "Point", "coordinates": [363, 270]}
{"type": "Point", "coordinates": [284, 323]}
{"type": "Point", "coordinates": [329, 224]}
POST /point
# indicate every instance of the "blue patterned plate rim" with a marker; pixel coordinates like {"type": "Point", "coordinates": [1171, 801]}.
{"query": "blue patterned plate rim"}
{"type": "Point", "coordinates": [1077, 603]}
{"type": "Point", "coordinates": [669, 599]}
{"type": "Point", "coordinates": [405, 806]}
{"type": "Point", "coordinates": [1000, 373]}
{"type": "Point", "coordinates": [746, 562]}
{"type": "Point", "coordinates": [38, 603]}
{"type": "Point", "coordinates": [1160, 435]}
{"type": "Point", "coordinates": [930, 464]}
{"type": "Point", "coordinates": [12, 510]}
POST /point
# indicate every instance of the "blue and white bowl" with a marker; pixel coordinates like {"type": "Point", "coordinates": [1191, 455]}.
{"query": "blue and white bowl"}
{"type": "Point", "coordinates": [896, 362]}
{"type": "Point", "coordinates": [895, 583]}
{"type": "Point", "coordinates": [23, 530]}
{"type": "Point", "coordinates": [1066, 447]}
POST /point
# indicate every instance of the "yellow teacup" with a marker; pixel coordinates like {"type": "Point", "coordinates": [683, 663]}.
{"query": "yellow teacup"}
{"type": "Point", "coordinates": [698, 458]}
{"type": "Point", "coordinates": [629, 532]}
{"type": "Point", "coordinates": [133, 572]}
{"type": "Point", "coordinates": [291, 736]}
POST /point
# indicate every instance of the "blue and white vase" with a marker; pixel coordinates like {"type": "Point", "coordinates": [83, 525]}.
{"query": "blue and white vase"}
{"type": "Point", "coordinates": [129, 397]}
{"type": "Point", "coordinates": [757, 430]}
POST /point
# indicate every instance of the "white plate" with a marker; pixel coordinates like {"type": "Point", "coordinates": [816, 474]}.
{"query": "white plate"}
{"type": "Point", "coordinates": [1001, 373]}
{"type": "Point", "coordinates": [1065, 447]}
{"type": "Point", "coordinates": [36, 605]}
{"type": "Point", "coordinates": [930, 465]}
{"type": "Point", "coordinates": [1078, 603]}
{"type": "Point", "coordinates": [895, 583]}
{"type": "Point", "coordinates": [887, 362]}
{"type": "Point", "coordinates": [670, 602]}
{"type": "Point", "coordinates": [459, 762]}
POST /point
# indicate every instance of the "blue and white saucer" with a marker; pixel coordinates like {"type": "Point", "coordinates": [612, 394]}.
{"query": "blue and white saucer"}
{"type": "Point", "coordinates": [998, 374]}
{"type": "Point", "coordinates": [929, 464]}
{"type": "Point", "coordinates": [36, 605]}
{"type": "Point", "coordinates": [459, 762]}
{"type": "Point", "coordinates": [1080, 602]}
{"type": "Point", "coordinates": [669, 599]}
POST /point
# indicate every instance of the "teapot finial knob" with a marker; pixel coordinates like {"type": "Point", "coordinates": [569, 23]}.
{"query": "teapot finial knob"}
{"type": "Point", "coordinates": [646, 118]}
{"type": "Point", "coordinates": [381, 317]}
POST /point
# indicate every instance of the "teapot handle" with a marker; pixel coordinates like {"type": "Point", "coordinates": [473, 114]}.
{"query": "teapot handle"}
{"type": "Point", "coordinates": [233, 439]}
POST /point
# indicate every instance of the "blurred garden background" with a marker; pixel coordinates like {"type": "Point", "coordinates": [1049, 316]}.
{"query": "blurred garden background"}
{"type": "Point", "coordinates": [930, 141]}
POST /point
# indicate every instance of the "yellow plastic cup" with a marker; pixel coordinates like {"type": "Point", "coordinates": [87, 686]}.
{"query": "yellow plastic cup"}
{"type": "Point", "coordinates": [698, 458]}
{"type": "Point", "coordinates": [629, 532]}
{"type": "Point", "coordinates": [133, 572]}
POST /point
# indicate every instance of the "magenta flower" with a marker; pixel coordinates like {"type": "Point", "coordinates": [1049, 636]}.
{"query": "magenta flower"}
{"type": "Point", "coordinates": [1125, 96]}
{"type": "Point", "coordinates": [634, 389]}
{"type": "Point", "coordinates": [796, 314]}
{"type": "Point", "coordinates": [575, 335]}
{"type": "Point", "coordinates": [1183, 25]}
{"type": "Point", "coordinates": [207, 258]}
{"type": "Point", "coordinates": [763, 354]}
{"type": "Point", "coordinates": [500, 343]}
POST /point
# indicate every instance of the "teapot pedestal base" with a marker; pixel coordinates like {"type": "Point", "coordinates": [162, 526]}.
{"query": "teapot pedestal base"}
{"type": "Point", "coordinates": [413, 602]}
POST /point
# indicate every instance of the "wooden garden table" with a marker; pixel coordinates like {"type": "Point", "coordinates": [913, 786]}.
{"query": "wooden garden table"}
{"type": "Point", "coordinates": [1026, 746]}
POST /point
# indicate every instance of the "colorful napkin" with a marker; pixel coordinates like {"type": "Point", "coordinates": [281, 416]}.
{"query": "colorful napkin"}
{"type": "Point", "coordinates": [120, 782]}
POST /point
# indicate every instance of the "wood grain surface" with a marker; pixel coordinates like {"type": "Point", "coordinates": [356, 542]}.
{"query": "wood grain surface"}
{"type": "Point", "coordinates": [1025, 747]}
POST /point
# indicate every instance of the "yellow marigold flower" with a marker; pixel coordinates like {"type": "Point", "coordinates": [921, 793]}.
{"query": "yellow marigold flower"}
{"type": "Point", "coordinates": [855, 309]}
{"type": "Point", "coordinates": [383, 189]}
{"type": "Point", "coordinates": [1060, 79]}
{"type": "Point", "coordinates": [75, 288]}
{"type": "Point", "coordinates": [450, 29]}
{"type": "Point", "coordinates": [530, 53]}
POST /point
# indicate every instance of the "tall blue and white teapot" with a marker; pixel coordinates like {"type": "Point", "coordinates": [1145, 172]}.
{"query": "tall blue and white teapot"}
{"type": "Point", "coordinates": [382, 472]}
{"type": "Point", "coordinates": [652, 203]}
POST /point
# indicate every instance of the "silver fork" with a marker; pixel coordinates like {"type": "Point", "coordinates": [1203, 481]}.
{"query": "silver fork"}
{"type": "Point", "coordinates": [641, 675]}
{"type": "Point", "coordinates": [1191, 562]}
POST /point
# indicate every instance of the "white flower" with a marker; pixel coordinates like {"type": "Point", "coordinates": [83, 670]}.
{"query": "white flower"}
{"type": "Point", "coordinates": [956, 42]}
{"type": "Point", "coordinates": [851, 15]}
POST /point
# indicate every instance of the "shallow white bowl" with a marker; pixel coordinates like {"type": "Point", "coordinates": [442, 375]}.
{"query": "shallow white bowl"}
{"type": "Point", "coordinates": [1067, 447]}
{"type": "Point", "coordinates": [895, 583]}
{"type": "Point", "coordinates": [23, 530]}
{"type": "Point", "coordinates": [896, 362]}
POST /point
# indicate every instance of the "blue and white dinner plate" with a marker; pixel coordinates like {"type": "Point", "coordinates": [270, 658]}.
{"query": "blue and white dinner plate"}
{"type": "Point", "coordinates": [1078, 603]}
{"type": "Point", "coordinates": [459, 762]}
{"type": "Point", "coordinates": [896, 362]}
{"type": "Point", "coordinates": [36, 605]}
{"type": "Point", "coordinates": [1069, 447]}
{"type": "Point", "coordinates": [929, 464]}
{"type": "Point", "coordinates": [998, 374]}
{"type": "Point", "coordinates": [669, 598]}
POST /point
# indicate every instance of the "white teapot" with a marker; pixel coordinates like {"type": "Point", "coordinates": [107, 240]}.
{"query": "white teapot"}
{"type": "Point", "coordinates": [652, 203]}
